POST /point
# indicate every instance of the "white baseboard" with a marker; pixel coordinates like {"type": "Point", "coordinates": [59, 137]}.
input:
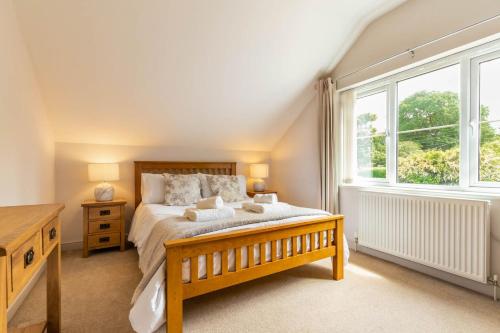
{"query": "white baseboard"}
{"type": "Point", "coordinates": [451, 278]}
{"type": "Point", "coordinates": [71, 246]}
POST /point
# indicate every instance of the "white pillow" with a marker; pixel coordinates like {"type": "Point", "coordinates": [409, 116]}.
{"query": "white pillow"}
{"type": "Point", "coordinates": [152, 188]}
{"type": "Point", "coordinates": [207, 192]}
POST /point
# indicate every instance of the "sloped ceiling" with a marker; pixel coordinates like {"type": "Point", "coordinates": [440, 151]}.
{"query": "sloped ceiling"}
{"type": "Point", "coordinates": [227, 74]}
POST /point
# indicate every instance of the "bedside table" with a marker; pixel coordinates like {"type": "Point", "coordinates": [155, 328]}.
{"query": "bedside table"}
{"type": "Point", "coordinates": [251, 194]}
{"type": "Point", "coordinates": [103, 225]}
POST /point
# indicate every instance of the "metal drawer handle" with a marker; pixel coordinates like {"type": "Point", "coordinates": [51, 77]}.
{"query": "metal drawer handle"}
{"type": "Point", "coordinates": [104, 212]}
{"type": "Point", "coordinates": [52, 233]}
{"type": "Point", "coordinates": [103, 239]}
{"type": "Point", "coordinates": [28, 257]}
{"type": "Point", "coordinates": [104, 226]}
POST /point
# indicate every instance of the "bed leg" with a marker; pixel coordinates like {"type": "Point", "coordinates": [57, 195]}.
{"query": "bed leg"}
{"type": "Point", "coordinates": [338, 260]}
{"type": "Point", "coordinates": [173, 291]}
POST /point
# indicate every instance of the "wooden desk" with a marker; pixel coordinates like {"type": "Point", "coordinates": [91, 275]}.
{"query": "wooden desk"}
{"type": "Point", "coordinates": [29, 235]}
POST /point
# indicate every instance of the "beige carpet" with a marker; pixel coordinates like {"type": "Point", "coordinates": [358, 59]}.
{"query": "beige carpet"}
{"type": "Point", "coordinates": [376, 296]}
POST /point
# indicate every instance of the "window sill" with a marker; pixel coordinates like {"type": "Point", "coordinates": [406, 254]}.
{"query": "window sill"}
{"type": "Point", "coordinates": [476, 193]}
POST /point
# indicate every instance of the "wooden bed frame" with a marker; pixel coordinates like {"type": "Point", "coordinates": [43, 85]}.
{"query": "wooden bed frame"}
{"type": "Point", "coordinates": [176, 291]}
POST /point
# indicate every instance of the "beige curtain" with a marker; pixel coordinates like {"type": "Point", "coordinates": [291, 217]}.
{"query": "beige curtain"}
{"type": "Point", "coordinates": [329, 118]}
{"type": "Point", "coordinates": [337, 148]}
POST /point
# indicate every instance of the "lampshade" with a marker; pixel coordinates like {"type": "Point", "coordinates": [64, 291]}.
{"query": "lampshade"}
{"type": "Point", "coordinates": [259, 170]}
{"type": "Point", "coordinates": [100, 172]}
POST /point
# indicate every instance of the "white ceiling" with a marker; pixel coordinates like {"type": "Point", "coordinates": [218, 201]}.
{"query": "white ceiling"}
{"type": "Point", "coordinates": [228, 74]}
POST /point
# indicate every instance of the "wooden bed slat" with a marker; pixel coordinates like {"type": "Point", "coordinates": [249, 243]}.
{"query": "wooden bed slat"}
{"type": "Point", "coordinates": [303, 244]}
{"type": "Point", "coordinates": [294, 246]}
{"type": "Point", "coordinates": [251, 259]}
{"type": "Point", "coordinates": [224, 263]}
{"type": "Point", "coordinates": [210, 265]}
{"type": "Point", "coordinates": [284, 248]}
{"type": "Point", "coordinates": [262, 253]}
{"type": "Point", "coordinates": [192, 290]}
{"type": "Point", "coordinates": [274, 257]}
{"type": "Point", "coordinates": [237, 258]}
{"type": "Point", "coordinates": [313, 241]}
{"type": "Point", "coordinates": [194, 269]}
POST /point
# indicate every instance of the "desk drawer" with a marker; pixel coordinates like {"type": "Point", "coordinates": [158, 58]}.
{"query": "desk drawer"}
{"type": "Point", "coordinates": [25, 260]}
{"type": "Point", "coordinates": [104, 226]}
{"type": "Point", "coordinates": [50, 234]}
{"type": "Point", "coordinates": [104, 213]}
{"type": "Point", "coordinates": [104, 240]}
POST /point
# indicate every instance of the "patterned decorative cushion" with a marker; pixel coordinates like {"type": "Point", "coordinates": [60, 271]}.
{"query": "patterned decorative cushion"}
{"type": "Point", "coordinates": [181, 190]}
{"type": "Point", "coordinates": [228, 187]}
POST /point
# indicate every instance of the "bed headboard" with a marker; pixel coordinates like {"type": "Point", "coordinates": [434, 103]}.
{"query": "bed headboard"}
{"type": "Point", "coordinates": [212, 168]}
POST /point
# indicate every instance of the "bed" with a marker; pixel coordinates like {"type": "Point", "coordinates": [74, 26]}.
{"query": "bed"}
{"type": "Point", "coordinates": [211, 261]}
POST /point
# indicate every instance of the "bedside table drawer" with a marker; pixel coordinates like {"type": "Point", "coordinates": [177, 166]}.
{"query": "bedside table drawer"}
{"type": "Point", "coordinates": [104, 226]}
{"type": "Point", "coordinates": [49, 234]}
{"type": "Point", "coordinates": [25, 260]}
{"type": "Point", "coordinates": [104, 213]}
{"type": "Point", "coordinates": [104, 240]}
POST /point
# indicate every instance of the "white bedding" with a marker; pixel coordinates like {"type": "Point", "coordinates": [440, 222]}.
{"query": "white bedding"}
{"type": "Point", "coordinates": [147, 313]}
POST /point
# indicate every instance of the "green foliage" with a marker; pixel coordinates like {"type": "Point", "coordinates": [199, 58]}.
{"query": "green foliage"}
{"type": "Point", "coordinates": [436, 167]}
{"type": "Point", "coordinates": [373, 172]}
{"type": "Point", "coordinates": [490, 161]}
{"type": "Point", "coordinates": [430, 109]}
{"type": "Point", "coordinates": [487, 132]}
{"type": "Point", "coordinates": [406, 148]}
{"type": "Point", "coordinates": [430, 156]}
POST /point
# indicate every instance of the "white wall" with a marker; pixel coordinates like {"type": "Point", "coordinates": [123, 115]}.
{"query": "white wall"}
{"type": "Point", "coordinates": [27, 158]}
{"type": "Point", "coordinates": [295, 167]}
{"type": "Point", "coordinates": [72, 185]}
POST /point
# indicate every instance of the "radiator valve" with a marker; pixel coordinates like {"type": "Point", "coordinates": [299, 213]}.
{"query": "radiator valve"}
{"type": "Point", "coordinates": [494, 282]}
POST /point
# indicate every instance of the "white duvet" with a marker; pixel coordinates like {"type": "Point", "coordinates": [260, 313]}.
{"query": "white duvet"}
{"type": "Point", "coordinates": [148, 312]}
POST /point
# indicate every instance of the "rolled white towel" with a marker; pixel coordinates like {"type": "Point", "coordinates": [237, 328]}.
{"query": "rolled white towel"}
{"type": "Point", "coordinates": [279, 207]}
{"type": "Point", "coordinates": [214, 202]}
{"type": "Point", "coordinates": [269, 198]}
{"type": "Point", "coordinates": [204, 215]}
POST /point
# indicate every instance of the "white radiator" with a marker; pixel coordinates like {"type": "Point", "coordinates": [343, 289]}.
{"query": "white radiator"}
{"type": "Point", "coordinates": [448, 234]}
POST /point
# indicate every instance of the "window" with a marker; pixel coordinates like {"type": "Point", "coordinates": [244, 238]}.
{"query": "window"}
{"type": "Point", "coordinates": [436, 125]}
{"type": "Point", "coordinates": [489, 121]}
{"type": "Point", "coordinates": [371, 126]}
{"type": "Point", "coordinates": [428, 128]}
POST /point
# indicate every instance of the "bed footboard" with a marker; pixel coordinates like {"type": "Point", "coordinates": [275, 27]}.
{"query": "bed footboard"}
{"type": "Point", "coordinates": [329, 228]}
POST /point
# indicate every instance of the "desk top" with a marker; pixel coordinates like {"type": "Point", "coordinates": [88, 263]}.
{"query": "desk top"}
{"type": "Point", "coordinates": [17, 223]}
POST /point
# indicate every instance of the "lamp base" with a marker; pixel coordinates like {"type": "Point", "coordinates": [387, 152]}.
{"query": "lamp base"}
{"type": "Point", "coordinates": [104, 192]}
{"type": "Point", "coordinates": [259, 185]}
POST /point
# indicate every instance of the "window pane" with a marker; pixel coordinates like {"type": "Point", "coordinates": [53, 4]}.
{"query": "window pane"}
{"type": "Point", "coordinates": [428, 128]}
{"type": "Point", "coordinates": [371, 157]}
{"type": "Point", "coordinates": [371, 125]}
{"type": "Point", "coordinates": [489, 101]}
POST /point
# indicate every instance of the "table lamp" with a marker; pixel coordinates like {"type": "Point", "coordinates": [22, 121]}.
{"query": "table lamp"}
{"type": "Point", "coordinates": [103, 172]}
{"type": "Point", "coordinates": [259, 171]}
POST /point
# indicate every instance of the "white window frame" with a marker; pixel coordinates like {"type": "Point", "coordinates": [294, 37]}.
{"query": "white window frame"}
{"type": "Point", "coordinates": [475, 119]}
{"type": "Point", "coordinates": [468, 61]}
{"type": "Point", "coordinates": [362, 94]}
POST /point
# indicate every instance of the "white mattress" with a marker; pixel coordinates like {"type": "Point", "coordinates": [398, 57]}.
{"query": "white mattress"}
{"type": "Point", "coordinates": [147, 313]}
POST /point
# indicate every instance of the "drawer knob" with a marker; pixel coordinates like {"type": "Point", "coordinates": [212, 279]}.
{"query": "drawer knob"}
{"type": "Point", "coordinates": [103, 239]}
{"type": "Point", "coordinates": [28, 257]}
{"type": "Point", "coordinates": [104, 212]}
{"type": "Point", "coordinates": [104, 226]}
{"type": "Point", "coordinates": [52, 233]}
